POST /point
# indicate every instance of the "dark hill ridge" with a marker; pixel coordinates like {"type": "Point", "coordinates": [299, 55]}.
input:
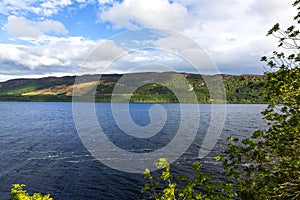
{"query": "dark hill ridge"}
{"type": "Point", "coordinates": [238, 88]}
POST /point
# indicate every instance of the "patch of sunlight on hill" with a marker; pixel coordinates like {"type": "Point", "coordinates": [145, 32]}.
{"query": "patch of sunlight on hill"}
{"type": "Point", "coordinates": [67, 90]}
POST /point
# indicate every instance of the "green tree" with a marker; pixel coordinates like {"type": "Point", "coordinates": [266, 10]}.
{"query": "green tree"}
{"type": "Point", "coordinates": [18, 193]}
{"type": "Point", "coordinates": [267, 165]}
{"type": "Point", "coordinates": [199, 186]}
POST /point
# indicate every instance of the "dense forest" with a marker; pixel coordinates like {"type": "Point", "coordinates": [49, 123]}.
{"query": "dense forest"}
{"type": "Point", "coordinates": [239, 89]}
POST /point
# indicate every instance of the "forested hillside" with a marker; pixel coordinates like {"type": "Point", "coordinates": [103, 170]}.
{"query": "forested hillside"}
{"type": "Point", "coordinates": [239, 89]}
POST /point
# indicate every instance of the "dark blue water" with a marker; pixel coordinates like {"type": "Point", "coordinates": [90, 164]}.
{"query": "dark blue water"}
{"type": "Point", "coordinates": [40, 147]}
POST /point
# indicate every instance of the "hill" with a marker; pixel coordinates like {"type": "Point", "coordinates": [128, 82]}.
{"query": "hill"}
{"type": "Point", "coordinates": [238, 88]}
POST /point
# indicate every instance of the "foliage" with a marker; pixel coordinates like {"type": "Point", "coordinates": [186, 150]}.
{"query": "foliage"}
{"type": "Point", "coordinates": [243, 89]}
{"type": "Point", "coordinates": [200, 186]}
{"type": "Point", "coordinates": [18, 193]}
{"type": "Point", "coordinates": [153, 93]}
{"type": "Point", "coordinates": [267, 166]}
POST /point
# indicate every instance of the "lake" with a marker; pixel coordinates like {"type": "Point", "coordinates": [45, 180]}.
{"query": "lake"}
{"type": "Point", "coordinates": [41, 148]}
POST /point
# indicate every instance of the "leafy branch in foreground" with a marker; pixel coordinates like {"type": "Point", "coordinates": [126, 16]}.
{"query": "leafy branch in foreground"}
{"type": "Point", "coordinates": [18, 193]}
{"type": "Point", "coordinates": [200, 186]}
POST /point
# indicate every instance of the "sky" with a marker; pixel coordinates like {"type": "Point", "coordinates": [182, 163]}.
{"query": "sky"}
{"type": "Point", "coordinates": [41, 38]}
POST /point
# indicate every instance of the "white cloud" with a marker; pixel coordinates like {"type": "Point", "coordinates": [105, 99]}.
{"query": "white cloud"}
{"type": "Point", "coordinates": [20, 26]}
{"type": "Point", "coordinates": [101, 58]}
{"type": "Point", "coordinates": [52, 51]}
{"type": "Point", "coordinates": [145, 61]}
{"type": "Point", "coordinates": [277, 9]}
{"type": "Point", "coordinates": [43, 8]}
{"type": "Point", "coordinates": [154, 13]}
{"type": "Point", "coordinates": [54, 55]}
{"type": "Point", "coordinates": [51, 7]}
{"type": "Point", "coordinates": [233, 32]}
{"type": "Point", "coordinates": [105, 1]}
{"type": "Point", "coordinates": [224, 25]}
{"type": "Point", "coordinates": [15, 6]}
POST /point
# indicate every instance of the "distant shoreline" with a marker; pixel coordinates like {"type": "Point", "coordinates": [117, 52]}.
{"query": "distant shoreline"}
{"type": "Point", "coordinates": [243, 89]}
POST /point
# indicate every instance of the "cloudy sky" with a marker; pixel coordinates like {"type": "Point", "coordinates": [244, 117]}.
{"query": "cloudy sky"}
{"type": "Point", "coordinates": [59, 37]}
